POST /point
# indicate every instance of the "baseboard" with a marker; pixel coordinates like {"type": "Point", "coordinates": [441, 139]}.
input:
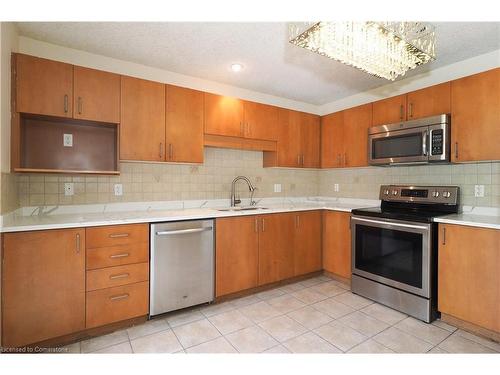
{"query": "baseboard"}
{"type": "Point", "coordinates": [471, 327]}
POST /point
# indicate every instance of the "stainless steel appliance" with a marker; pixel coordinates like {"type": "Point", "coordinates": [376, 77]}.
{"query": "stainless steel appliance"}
{"type": "Point", "coordinates": [182, 265]}
{"type": "Point", "coordinates": [394, 247]}
{"type": "Point", "coordinates": [419, 141]}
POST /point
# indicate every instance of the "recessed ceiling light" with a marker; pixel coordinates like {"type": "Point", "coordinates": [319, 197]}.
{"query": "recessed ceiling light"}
{"type": "Point", "coordinates": [236, 67]}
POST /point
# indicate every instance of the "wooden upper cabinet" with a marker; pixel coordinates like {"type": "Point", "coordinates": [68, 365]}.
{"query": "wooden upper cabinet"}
{"type": "Point", "coordinates": [43, 86]}
{"type": "Point", "coordinates": [43, 282]}
{"type": "Point", "coordinates": [475, 117]}
{"type": "Point", "coordinates": [307, 242]}
{"type": "Point", "coordinates": [389, 111]}
{"type": "Point", "coordinates": [96, 95]}
{"type": "Point", "coordinates": [261, 121]}
{"type": "Point", "coordinates": [184, 125]}
{"type": "Point", "coordinates": [289, 142]}
{"type": "Point", "coordinates": [142, 127]}
{"type": "Point", "coordinates": [310, 133]}
{"type": "Point", "coordinates": [468, 278]}
{"type": "Point", "coordinates": [431, 101]}
{"type": "Point", "coordinates": [337, 243]}
{"type": "Point", "coordinates": [223, 115]}
{"type": "Point", "coordinates": [332, 140]}
{"type": "Point", "coordinates": [357, 120]}
{"type": "Point", "coordinates": [236, 267]}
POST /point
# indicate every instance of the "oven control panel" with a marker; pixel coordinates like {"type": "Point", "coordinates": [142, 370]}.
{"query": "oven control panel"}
{"type": "Point", "coordinates": [420, 194]}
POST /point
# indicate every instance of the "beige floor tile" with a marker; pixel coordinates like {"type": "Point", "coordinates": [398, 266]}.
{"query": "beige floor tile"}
{"type": "Point", "coordinates": [383, 313]}
{"type": "Point", "coordinates": [459, 344]}
{"type": "Point", "coordinates": [333, 308]}
{"type": "Point", "coordinates": [364, 323]}
{"type": "Point", "coordinates": [100, 342]}
{"type": "Point", "coordinates": [278, 349]}
{"type": "Point", "coordinates": [195, 333]}
{"type": "Point", "coordinates": [342, 285]}
{"type": "Point", "coordinates": [424, 331]}
{"type": "Point", "coordinates": [329, 289]}
{"type": "Point", "coordinates": [309, 317]}
{"type": "Point", "coordinates": [353, 300]}
{"type": "Point", "coordinates": [290, 288]}
{"type": "Point", "coordinates": [402, 342]}
{"type": "Point", "coordinates": [230, 321]}
{"type": "Point", "coordinates": [370, 347]}
{"type": "Point", "coordinates": [342, 336]}
{"type": "Point", "coordinates": [282, 328]}
{"type": "Point", "coordinates": [245, 301]}
{"type": "Point", "coordinates": [272, 293]}
{"type": "Point", "coordinates": [313, 281]}
{"type": "Point", "coordinates": [216, 308]}
{"type": "Point", "coordinates": [251, 340]}
{"type": "Point", "coordinates": [123, 348]}
{"type": "Point", "coordinates": [285, 303]}
{"type": "Point", "coordinates": [153, 326]}
{"type": "Point", "coordinates": [308, 296]}
{"type": "Point", "coordinates": [443, 325]}
{"type": "Point", "coordinates": [160, 342]}
{"type": "Point", "coordinates": [259, 311]}
{"type": "Point", "coordinates": [219, 345]}
{"type": "Point", "coordinates": [480, 340]}
{"type": "Point", "coordinates": [310, 343]}
{"type": "Point", "coordinates": [437, 350]}
{"type": "Point", "coordinates": [183, 317]}
{"type": "Point", "coordinates": [70, 349]}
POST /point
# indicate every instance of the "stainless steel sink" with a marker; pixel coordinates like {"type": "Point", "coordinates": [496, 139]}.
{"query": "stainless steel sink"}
{"type": "Point", "coordinates": [247, 208]}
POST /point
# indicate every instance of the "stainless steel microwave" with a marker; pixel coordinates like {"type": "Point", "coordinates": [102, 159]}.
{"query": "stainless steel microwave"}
{"type": "Point", "coordinates": [421, 141]}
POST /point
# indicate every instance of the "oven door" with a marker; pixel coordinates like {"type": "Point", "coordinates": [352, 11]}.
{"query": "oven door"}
{"type": "Point", "coordinates": [399, 146]}
{"type": "Point", "coordinates": [394, 253]}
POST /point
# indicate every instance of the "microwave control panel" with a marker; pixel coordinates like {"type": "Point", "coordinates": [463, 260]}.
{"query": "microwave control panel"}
{"type": "Point", "coordinates": [437, 142]}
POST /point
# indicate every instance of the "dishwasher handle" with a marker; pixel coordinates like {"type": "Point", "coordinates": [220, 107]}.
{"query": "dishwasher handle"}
{"type": "Point", "coordinates": [183, 231]}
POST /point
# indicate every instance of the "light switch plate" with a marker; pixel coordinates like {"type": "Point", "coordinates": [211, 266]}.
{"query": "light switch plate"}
{"type": "Point", "coordinates": [336, 187]}
{"type": "Point", "coordinates": [69, 188]}
{"type": "Point", "coordinates": [479, 191]}
{"type": "Point", "coordinates": [68, 140]}
{"type": "Point", "coordinates": [277, 188]}
{"type": "Point", "coordinates": [118, 188]}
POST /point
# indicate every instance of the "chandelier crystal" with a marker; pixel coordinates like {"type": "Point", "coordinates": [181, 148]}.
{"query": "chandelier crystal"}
{"type": "Point", "coordinates": [383, 49]}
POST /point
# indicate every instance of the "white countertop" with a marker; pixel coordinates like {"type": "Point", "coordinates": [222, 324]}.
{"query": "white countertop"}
{"type": "Point", "coordinates": [75, 216]}
{"type": "Point", "coordinates": [483, 217]}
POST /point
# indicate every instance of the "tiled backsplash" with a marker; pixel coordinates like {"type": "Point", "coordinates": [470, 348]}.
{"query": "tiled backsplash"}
{"type": "Point", "coordinates": [365, 182]}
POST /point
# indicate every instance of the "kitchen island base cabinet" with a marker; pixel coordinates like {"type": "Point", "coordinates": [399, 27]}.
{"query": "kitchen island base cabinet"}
{"type": "Point", "coordinates": [468, 277]}
{"type": "Point", "coordinates": [337, 243]}
{"type": "Point", "coordinates": [43, 285]}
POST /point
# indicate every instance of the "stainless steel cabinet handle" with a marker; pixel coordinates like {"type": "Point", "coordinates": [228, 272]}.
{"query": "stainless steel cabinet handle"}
{"type": "Point", "coordinates": [256, 225]}
{"type": "Point", "coordinates": [410, 110]}
{"type": "Point", "coordinates": [78, 243]}
{"type": "Point", "coordinates": [65, 103]}
{"type": "Point", "coordinates": [119, 276]}
{"type": "Point", "coordinates": [161, 150]}
{"type": "Point", "coordinates": [183, 231]}
{"type": "Point", "coordinates": [119, 297]}
{"type": "Point", "coordinates": [298, 160]}
{"type": "Point", "coordinates": [263, 224]}
{"type": "Point", "coordinates": [80, 106]}
{"type": "Point", "coordinates": [118, 235]}
{"type": "Point", "coordinates": [401, 112]}
{"type": "Point", "coordinates": [444, 235]}
{"type": "Point", "coordinates": [122, 255]}
{"type": "Point", "coordinates": [297, 221]}
{"type": "Point", "coordinates": [456, 150]}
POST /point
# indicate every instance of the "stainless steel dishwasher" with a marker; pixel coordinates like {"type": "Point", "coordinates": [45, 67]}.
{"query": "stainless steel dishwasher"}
{"type": "Point", "coordinates": [182, 265]}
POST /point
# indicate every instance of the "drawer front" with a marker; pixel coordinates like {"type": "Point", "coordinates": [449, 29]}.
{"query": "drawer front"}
{"type": "Point", "coordinates": [115, 235]}
{"type": "Point", "coordinates": [115, 276]}
{"type": "Point", "coordinates": [115, 304]}
{"type": "Point", "coordinates": [117, 255]}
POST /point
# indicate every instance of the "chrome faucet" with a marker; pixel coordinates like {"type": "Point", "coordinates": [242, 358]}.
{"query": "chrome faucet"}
{"type": "Point", "coordinates": [251, 188]}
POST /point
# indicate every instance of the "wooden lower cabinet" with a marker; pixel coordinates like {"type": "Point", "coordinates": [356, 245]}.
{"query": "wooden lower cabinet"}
{"type": "Point", "coordinates": [307, 242]}
{"type": "Point", "coordinates": [337, 243]}
{"type": "Point", "coordinates": [43, 285]}
{"type": "Point", "coordinates": [468, 274]}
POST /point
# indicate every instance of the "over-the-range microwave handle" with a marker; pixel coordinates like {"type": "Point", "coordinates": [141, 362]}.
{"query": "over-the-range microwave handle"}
{"type": "Point", "coordinates": [392, 224]}
{"type": "Point", "coordinates": [425, 135]}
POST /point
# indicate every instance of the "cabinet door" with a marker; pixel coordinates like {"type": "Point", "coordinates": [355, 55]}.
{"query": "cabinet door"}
{"type": "Point", "coordinates": [43, 86]}
{"type": "Point", "coordinates": [468, 278]}
{"type": "Point", "coordinates": [337, 243]}
{"type": "Point", "coordinates": [357, 120]}
{"type": "Point", "coordinates": [431, 101]}
{"type": "Point", "coordinates": [276, 247]}
{"type": "Point", "coordinates": [96, 95]}
{"type": "Point", "coordinates": [389, 111]}
{"type": "Point", "coordinates": [236, 255]}
{"type": "Point", "coordinates": [310, 140]}
{"type": "Point", "coordinates": [307, 247]}
{"type": "Point", "coordinates": [332, 145]}
{"type": "Point", "coordinates": [142, 127]}
{"type": "Point", "coordinates": [475, 117]}
{"type": "Point", "coordinates": [261, 121]}
{"type": "Point", "coordinates": [289, 142]}
{"type": "Point", "coordinates": [184, 129]}
{"type": "Point", "coordinates": [223, 115]}
{"type": "Point", "coordinates": [43, 285]}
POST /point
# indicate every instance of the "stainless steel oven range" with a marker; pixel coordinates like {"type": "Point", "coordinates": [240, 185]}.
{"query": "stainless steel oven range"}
{"type": "Point", "coordinates": [394, 247]}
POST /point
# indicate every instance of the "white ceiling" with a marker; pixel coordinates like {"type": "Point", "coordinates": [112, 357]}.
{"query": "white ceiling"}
{"type": "Point", "coordinates": [272, 66]}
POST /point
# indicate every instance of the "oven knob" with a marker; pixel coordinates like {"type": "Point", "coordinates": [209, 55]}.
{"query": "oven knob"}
{"type": "Point", "coordinates": [446, 194]}
{"type": "Point", "coordinates": [394, 192]}
{"type": "Point", "coordinates": [386, 192]}
{"type": "Point", "coordinates": [435, 194]}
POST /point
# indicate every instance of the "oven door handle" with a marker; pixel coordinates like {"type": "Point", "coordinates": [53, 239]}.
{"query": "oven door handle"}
{"type": "Point", "coordinates": [390, 223]}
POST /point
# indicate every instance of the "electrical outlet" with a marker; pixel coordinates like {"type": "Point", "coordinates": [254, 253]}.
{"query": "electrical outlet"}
{"type": "Point", "coordinates": [68, 140]}
{"type": "Point", "coordinates": [277, 188]}
{"type": "Point", "coordinates": [479, 191]}
{"type": "Point", "coordinates": [336, 187]}
{"type": "Point", "coordinates": [69, 188]}
{"type": "Point", "coordinates": [118, 188]}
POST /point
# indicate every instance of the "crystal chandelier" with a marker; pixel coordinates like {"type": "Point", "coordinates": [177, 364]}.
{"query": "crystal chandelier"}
{"type": "Point", "coordinates": [383, 49]}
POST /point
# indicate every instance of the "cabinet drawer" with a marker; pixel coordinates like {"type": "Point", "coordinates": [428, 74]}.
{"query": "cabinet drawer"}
{"type": "Point", "coordinates": [117, 255]}
{"type": "Point", "coordinates": [114, 235]}
{"type": "Point", "coordinates": [115, 304]}
{"type": "Point", "coordinates": [116, 276]}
